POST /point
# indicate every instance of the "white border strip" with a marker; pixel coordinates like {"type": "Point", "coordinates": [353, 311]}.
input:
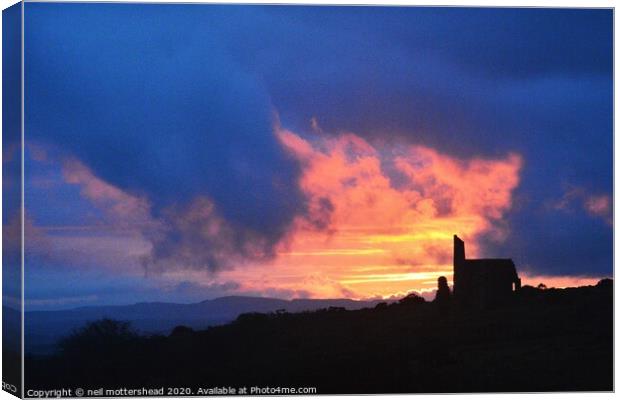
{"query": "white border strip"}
{"type": "Point", "coordinates": [23, 210]}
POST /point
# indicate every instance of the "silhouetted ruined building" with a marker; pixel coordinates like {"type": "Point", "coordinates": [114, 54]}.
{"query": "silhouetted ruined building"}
{"type": "Point", "coordinates": [443, 291]}
{"type": "Point", "coordinates": [482, 282]}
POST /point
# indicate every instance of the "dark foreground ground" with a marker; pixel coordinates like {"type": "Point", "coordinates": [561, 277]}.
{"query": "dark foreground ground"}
{"type": "Point", "coordinates": [547, 340]}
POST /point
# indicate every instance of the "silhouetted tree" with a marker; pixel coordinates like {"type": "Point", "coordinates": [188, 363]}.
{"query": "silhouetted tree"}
{"type": "Point", "coordinates": [98, 337]}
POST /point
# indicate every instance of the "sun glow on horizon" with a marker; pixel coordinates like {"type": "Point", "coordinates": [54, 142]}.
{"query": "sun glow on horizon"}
{"type": "Point", "coordinates": [405, 203]}
{"type": "Point", "coordinates": [381, 219]}
{"type": "Point", "coordinates": [380, 223]}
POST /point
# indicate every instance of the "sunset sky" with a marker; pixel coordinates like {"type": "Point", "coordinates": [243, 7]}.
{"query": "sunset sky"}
{"type": "Point", "coordinates": [185, 152]}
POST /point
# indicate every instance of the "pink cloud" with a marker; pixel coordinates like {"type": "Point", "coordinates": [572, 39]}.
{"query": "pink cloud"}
{"type": "Point", "coordinates": [597, 205]}
{"type": "Point", "coordinates": [124, 207]}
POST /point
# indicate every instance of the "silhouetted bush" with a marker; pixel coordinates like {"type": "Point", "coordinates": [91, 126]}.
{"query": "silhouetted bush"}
{"type": "Point", "coordinates": [411, 299]}
{"type": "Point", "coordinates": [381, 306]}
{"type": "Point", "coordinates": [251, 317]}
{"type": "Point", "coordinates": [181, 331]}
{"type": "Point", "coordinates": [98, 336]}
{"type": "Point", "coordinates": [605, 283]}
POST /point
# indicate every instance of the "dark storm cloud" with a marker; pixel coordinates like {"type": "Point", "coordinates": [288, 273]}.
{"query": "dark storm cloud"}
{"type": "Point", "coordinates": [195, 237]}
{"type": "Point", "coordinates": [467, 82]}
{"type": "Point", "coordinates": [176, 101]}
{"type": "Point", "coordinates": [155, 106]}
{"type": "Point", "coordinates": [432, 75]}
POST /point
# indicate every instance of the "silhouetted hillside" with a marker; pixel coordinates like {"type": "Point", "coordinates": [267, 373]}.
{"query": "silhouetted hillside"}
{"type": "Point", "coordinates": [45, 328]}
{"type": "Point", "coordinates": [544, 340]}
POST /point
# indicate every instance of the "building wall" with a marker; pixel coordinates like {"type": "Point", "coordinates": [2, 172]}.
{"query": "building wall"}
{"type": "Point", "coordinates": [481, 283]}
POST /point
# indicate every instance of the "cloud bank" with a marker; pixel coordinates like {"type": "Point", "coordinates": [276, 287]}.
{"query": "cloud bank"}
{"type": "Point", "coordinates": [392, 210]}
{"type": "Point", "coordinates": [471, 121]}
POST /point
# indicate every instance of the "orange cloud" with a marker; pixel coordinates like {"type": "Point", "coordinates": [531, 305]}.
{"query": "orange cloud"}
{"type": "Point", "coordinates": [558, 281]}
{"type": "Point", "coordinates": [379, 224]}
{"type": "Point", "coordinates": [381, 218]}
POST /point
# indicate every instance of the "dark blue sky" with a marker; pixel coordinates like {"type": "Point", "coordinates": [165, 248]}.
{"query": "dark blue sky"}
{"type": "Point", "coordinates": [171, 102]}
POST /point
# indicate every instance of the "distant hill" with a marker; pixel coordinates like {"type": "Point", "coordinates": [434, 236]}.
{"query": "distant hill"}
{"type": "Point", "coordinates": [45, 328]}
